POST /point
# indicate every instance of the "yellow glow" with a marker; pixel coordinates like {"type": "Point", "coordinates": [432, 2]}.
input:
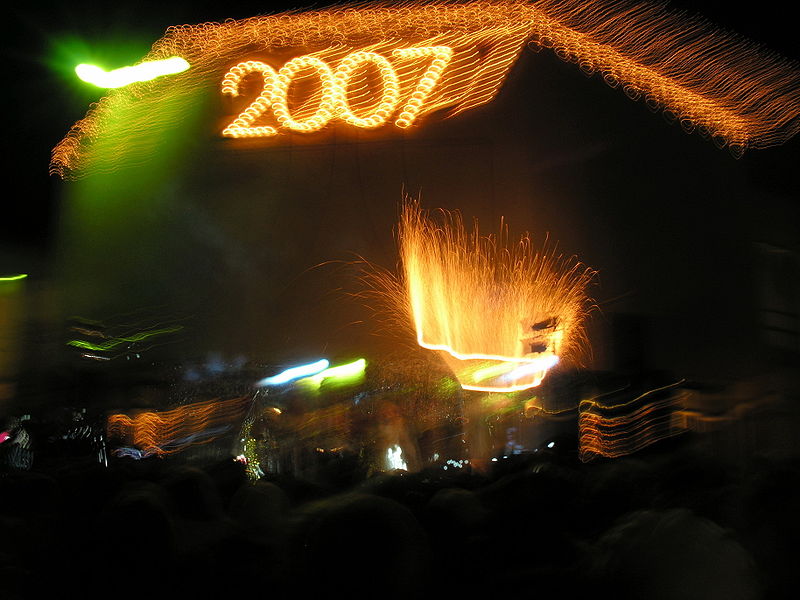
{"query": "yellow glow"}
{"type": "Point", "coordinates": [500, 315]}
{"type": "Point", "coordinates": [728, 88]}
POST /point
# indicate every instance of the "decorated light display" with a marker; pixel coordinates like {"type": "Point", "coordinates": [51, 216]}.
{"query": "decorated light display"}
{"type": "Point", "coordinates": [378, 65]}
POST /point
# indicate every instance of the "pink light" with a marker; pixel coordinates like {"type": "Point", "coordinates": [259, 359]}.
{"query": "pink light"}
{"type": "Point", "coordinates": [4, 436]}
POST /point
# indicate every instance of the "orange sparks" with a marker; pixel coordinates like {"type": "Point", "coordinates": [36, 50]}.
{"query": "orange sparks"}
{"type": "Point", "coordinates": [501, 315]}
{"type": "Point", "coordinates": [376, 65]}
{"type": "Point", "coordinates": [157, 433]}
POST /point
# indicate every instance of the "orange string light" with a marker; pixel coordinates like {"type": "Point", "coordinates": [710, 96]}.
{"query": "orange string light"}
{"type": "Point", "coordinates": [728, 88]}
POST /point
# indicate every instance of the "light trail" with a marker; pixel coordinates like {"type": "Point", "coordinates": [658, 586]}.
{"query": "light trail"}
{"type": "Point", "coordinates": [346, 372]}
{"type": "Point", "coordinates": [729, 89]}
{"type": "Point", "coordinates": [295, 373]}
{"type": "Point", "coordinates": [127, 75]}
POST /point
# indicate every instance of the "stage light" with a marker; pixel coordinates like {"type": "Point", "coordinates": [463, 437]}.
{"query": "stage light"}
{"type": "Point", "coordinates": [14, 277]}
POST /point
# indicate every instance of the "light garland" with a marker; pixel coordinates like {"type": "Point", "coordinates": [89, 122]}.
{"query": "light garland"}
{"type": "Point", "coordinates": [727, 88]}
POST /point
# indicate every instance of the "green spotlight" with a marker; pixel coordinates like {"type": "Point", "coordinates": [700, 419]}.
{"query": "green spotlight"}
{"type": "Point", "coordinates": [127, 75]}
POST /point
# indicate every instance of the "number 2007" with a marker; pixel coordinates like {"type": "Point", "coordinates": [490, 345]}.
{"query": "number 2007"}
{"type": "Point", "coordinates": [333, 100]}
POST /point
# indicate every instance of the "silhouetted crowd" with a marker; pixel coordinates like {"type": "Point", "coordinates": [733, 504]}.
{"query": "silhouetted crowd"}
{"type": "Point", "coordinates": [673, 523]}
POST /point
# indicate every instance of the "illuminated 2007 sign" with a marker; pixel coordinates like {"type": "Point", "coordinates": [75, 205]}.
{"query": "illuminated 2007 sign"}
{"type": "Point", "coordinates": [366, 65]}
{"type": "Point", "coordinates": [389, 82]}
{"type": "Point", "coordinates": [339, 92]}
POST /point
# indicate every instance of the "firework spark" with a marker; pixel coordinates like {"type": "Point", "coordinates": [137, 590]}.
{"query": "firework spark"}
{"type": "Point", "coordinates": [500, 314]}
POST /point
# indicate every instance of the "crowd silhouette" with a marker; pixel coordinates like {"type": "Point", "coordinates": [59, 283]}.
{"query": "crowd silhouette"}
{"type": "Point", "coordinates": [674, 522]}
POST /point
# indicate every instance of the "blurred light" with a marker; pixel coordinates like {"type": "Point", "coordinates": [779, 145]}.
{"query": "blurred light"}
{"type": "Point", "coordinates": [95, 356]}
{"type": "Point", "coordinates": [536, 364]}
{"type": "Point", "coordinates": [492, 371]}
{"type": "Point", "coordinates": [4, 436]}
{"type": "Point", "coordinates": [551, 444]}
{"type": "Point", "coordinates": [295, 373]}
{"type": "Point", "coordinates": [14, 277]}
{"type": "Point", "coordinates": [159, 433]}
{"type": "Point", "coordinates": [116, 341]}
{"type": "Point", "coordinates": [346, 371]}
{"type": "Point", "coordinates": [127, 75]}
{"type": "Point", "coordinates": [617, 424]}
{"type": "Point", "coordinates": [394, 458]}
